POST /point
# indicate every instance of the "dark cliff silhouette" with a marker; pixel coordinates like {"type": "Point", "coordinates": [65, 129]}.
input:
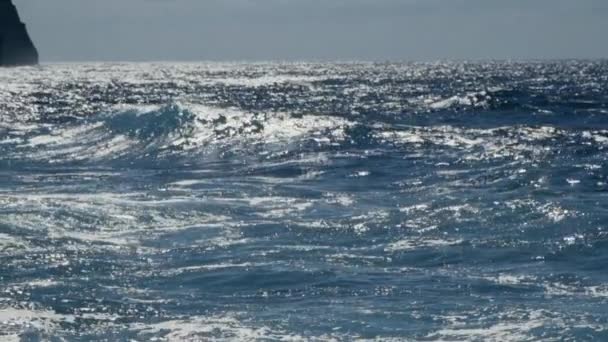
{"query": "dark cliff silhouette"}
{"type": "Point", "coordinates": [16, 47]}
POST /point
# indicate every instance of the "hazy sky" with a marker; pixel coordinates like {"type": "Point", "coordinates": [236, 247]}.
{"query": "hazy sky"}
{"type": "Point", "coordinates": [96, 30]}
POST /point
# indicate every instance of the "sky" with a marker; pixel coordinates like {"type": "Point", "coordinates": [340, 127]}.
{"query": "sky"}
{"type": "Point", "coordinates": [345, 30]}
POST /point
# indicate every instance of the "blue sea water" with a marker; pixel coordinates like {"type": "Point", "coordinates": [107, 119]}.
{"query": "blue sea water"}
{"type": "Point", "coordinates": [296, 201]}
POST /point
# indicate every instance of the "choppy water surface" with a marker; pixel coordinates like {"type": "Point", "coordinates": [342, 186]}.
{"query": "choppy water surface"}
{"type": "Point", "coordinates": [443, 201]}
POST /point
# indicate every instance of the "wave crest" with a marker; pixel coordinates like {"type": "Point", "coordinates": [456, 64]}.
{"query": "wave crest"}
{"type": "Point", "coordinates": [157, 133]}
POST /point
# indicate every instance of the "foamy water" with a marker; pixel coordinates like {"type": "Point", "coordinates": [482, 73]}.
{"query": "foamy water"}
{"type": "Point", "coordinates": [170, 202]}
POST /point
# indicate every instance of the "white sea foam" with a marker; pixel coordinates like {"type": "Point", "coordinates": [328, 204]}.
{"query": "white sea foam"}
{"type": "Point", "coordinates": [554, 212]}
{"type": "Point", "coordinates": [220, 328]}
{"type": "Point", "coordinates": [420, 243]}
{"type": "Point", "coordinates": [510, 325]}
{"type": "Point", "coordinates": [15, 321]}
{"type": "Point", "coordinates": [111, 219]}
{"type": "Point", "coordinates": [11, 243]}
{"type": "Point", "coordinates": [480, 144]}
{"type": "Point", "coordinates": [551, 288]}
{"type": "Point", "coordinates": [209, 126]}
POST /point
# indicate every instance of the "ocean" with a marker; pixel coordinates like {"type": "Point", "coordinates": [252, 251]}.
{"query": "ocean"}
{"type": "Point", "coordinates": [453, 201]}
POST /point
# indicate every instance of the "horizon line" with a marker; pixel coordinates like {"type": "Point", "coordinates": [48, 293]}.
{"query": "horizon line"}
{"type": "Point", "coordinates": [325, 60]}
